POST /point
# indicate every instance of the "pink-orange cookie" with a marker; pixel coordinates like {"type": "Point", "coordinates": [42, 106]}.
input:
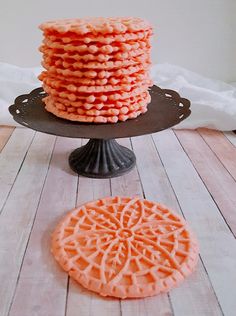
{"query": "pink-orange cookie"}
{"type": "Point", "coordinates": [74, 114]}
{"type": "Point", "coordinates": [61, 85]}
{"type": "Point", "coordinates": [106, 39]}
{"type": "Point", "coordinates": [102, 111]}
{"type": "Point", "coordinates": [99, 73]}
{"type": "Point", "coordinates": [98, 25]}
{"type": "Point", "coordinates": [87, 57]}
{"type": "Point", "coordinates": [112, 96]}
{"type": "Point", "coordinates": [125, 247]}
{"type": "Point", "coordinates": [134, 78]}
{"type": "Point", "coordinates": [107, 65]}
{"type": "Point", "coordinates": [81, 47]}
{"type": "Point", "coordinates": [101, 102]}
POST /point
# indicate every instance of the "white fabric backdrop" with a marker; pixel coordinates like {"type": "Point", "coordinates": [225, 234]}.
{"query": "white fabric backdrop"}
{"type": "Point", "coordinates": [213, 103]}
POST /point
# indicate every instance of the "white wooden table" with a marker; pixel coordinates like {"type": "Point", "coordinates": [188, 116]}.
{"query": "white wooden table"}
{"type": "Point", "coordinates": [193, 172]}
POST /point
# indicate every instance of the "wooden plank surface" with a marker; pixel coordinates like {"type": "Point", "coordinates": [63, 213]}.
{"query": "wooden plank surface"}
{"type": "Point", "coordinates": [5, 134]}
{"type": "Point", "coordinates": [11, 159]}
{"type": "Point", "coordinates": [18, 215]}
{"type": "Point", "coordinates": [80, 301]}
{"type": "Point", "coordinates": [189, 171]}
{"type": "Point", "coordinates": [130, 185]}
{"type": "Point", "coordinates": [231, 136]}
{"type": "Point", "coordinates": [47, 288]}
{"type": "Point", "coordinates": [222, 148]}
{"type": "Point", "coordinates": [157, 187]}
{"type": "Point", "coordinates": [216, 177]}
{"type": "Point", "coordinates": [217, 243]}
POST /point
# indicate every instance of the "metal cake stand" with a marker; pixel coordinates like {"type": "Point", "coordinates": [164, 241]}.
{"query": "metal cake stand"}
{"type": "Point", "coordinates": [102, 156]}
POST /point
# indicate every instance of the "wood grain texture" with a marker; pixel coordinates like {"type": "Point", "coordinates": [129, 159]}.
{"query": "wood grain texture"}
{"type": "Point", "coordinates": [41, 277]}
{"type": "Point", "coordinates": [185, 172]}
{"type": "Point", "coordinates": [5, 134]}
{"type": "Point", "coordinates": [197, 288]}
{"type": "Point", "coordinates": [217, 243]}
{"type": "Point", "coordinates": [219, 182]}
{"type": "Point", "coordinates": [231, 136]}
{"type": "Point", "coordinates": [11, 159]}
{"type": "Point", "coordinates": [18, 215]}
{"type": "Point", "coordinates": [130, 185]}
{"type": "Point", "coordinates": [222, 147]}
{"type": "Point", "coordinates": [81, 302]}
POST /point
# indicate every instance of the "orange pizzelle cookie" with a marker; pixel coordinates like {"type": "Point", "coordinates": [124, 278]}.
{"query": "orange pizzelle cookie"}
{"type": "Point", "coordinates": [141, 75]}
{"type": "Point", "coordinates": [98, 73]}
{"type": "Point", "coordinates": [125, 247]}
{"type": "Point", "coordinates": [86, 57]}
{"type": "Point", "coordinates": [48, 62]}
{"type": "Point", "coordinates": [81, 47]}
{"type": "Point", "coordinates": [103, 116]}
{"type": "Point", "coordinates": [96, 38]}
{"type": "Point", "coordinates": [101, 102]}
{"type": "Point", "coordinates": [97, 25]}
{"type": "Point", "coordinates": [96, 68]}
{"type": "Point", "coordinates": [112, 96]}
{"type": "Point", "coordinates": [98, 109]}
{"type": "Point", "coordinates": [71, 87]}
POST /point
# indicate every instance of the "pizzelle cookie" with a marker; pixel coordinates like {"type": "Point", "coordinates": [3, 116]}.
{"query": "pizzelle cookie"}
{"type": "Point", "coordinates": [112, 96]}
{"type": "Point", "coordinates": [141, 75]}
{"type": "Point", "coordinates": [98, 109]}
{"type": "Point", "coordinates": [72, 87]}
{"type": "Point", "coordinates": [86, 57]}
{"type": "Point", "coordinates": [97, 25]}
{"type": "Point", "coordinates": [48, 62]}
{"type": "Point", "coordinates": [82, 47]}
{"type": "Point", "coordinates": [97, 116]}
{"type": "Point", "coordinates": [98, 73]}
{"type": "Point", "coordinates": [102, 102]}
{"type": "Point", "coordinates": [125, 247]}
{"type": "Point", "coordinates": [96, 68]}
{"type": "Point", "coordinates": [98, 39]}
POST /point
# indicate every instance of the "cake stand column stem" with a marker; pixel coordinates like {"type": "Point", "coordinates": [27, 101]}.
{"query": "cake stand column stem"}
{"type": "Point", "coordinates": [101, 158]}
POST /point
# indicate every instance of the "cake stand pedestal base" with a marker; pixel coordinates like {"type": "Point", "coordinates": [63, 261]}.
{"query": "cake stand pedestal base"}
{"type": "Point", "coordinates": [101, 158]}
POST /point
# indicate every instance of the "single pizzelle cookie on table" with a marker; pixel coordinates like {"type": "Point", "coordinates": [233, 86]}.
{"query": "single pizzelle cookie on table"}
{"type": "Point", "coordinates": [125, 247]}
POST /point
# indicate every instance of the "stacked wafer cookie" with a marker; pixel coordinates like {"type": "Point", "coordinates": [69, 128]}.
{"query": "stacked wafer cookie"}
{"type": "Point", "coordinates": [96, 69]}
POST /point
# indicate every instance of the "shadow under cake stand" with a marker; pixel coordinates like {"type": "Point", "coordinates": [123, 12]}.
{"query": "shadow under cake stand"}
{"type": "Point", "coordinates": [102, 156]}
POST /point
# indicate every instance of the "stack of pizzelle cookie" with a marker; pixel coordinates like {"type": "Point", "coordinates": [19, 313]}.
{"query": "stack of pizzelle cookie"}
{"type": "Point", "coordinates": [97, 69]}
